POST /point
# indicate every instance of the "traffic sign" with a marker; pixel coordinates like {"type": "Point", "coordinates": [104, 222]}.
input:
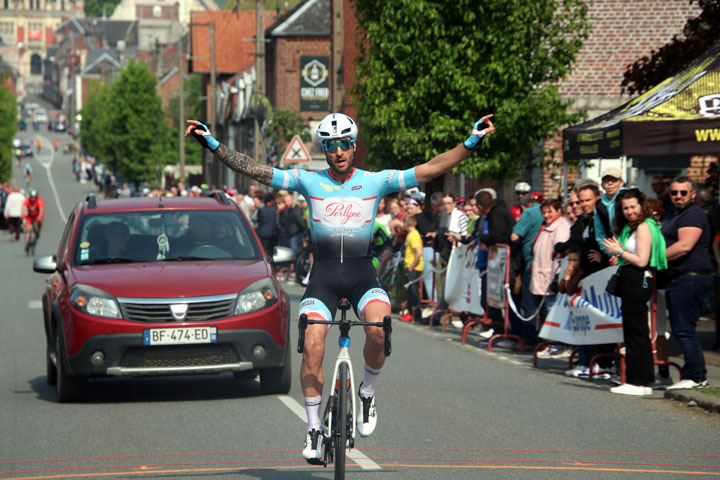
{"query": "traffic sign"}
{"type": "Point", "coordinates": [296, 151]}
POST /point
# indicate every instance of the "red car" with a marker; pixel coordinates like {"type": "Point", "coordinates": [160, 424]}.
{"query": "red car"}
{"type": "Point", "coordinates": [159, 286]}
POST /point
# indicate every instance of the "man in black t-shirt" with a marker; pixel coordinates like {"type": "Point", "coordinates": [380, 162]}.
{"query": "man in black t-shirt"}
{"type": "Point", "coordinates": [688, 277]}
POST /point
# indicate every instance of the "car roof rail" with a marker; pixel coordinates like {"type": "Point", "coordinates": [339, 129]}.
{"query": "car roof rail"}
{"type": "Point", "coordinates": [91, 200]}
{"type": "Point", "coordinates": [220, 196]}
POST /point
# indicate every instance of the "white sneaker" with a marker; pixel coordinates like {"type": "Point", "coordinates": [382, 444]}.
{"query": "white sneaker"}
{"type": "Point", "coordinates": [457, 323]}
{"type": "Point", "coordinates": [629, 389]}
{"type": "Point", "coordinates": [687, 385]}
{"type": "Point", "coordinates": [578, 372]}
{"type": "Point", "coordinates": [487, 334]}
{"type": "Point", "coordinates": [598, 372]}
{"type": "Point", "coordinates": [367, 420]}
{"type": "Point", "coordinates": [312, 451]}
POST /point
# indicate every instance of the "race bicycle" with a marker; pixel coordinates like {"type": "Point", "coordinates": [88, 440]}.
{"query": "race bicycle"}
{"type": "Point", "coordinates": [339, 419]}
{"type": "Point", "coordinates": [31, 239]}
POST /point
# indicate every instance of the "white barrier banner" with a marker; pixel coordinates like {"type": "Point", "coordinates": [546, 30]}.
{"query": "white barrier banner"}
{"type": "Point", "coordinates": [462, 292]}
{"type": "Point", "coordinates": [590, 317]}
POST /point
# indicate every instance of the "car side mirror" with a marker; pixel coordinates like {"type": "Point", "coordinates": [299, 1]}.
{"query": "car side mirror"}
{"type": "Point", "coordinates": [283, 255]}
{"type": "Point", "coordinates": [45, 264]}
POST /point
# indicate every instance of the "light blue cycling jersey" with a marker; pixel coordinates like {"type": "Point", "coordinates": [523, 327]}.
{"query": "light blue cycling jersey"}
{"type": "Point", "coordinates": [342, 215]}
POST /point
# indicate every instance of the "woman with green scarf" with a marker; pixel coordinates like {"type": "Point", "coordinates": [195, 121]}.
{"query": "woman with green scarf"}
{"type": "Point", "coordinates": [640, 250]}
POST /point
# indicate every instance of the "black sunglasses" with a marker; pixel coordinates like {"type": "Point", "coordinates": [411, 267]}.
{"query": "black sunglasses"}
{"type": "Point", "coordinates": [682, 193]}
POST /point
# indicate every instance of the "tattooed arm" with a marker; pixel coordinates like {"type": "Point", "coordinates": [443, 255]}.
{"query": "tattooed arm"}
{"type": "Point", "coordinates": [244, 164]}
{"type": "Point", "coordinates": [237, 161]}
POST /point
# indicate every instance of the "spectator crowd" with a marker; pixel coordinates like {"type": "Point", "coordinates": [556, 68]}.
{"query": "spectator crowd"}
{"type": "Point", "coordinates": [667, 241]}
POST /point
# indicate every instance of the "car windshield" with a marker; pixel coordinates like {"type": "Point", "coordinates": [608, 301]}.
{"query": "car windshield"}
{"type": "Point", "coordinates": [163, 236]}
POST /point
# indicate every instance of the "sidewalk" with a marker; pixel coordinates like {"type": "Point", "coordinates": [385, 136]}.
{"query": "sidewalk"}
{"type": "Point", "coordinates": [706, 332]}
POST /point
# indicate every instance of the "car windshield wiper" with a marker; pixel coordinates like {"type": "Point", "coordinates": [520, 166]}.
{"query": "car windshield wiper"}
{"type": "Point", "coordinates": [113, 260]}
{"type": "Point", "coordinates": [188, 257]}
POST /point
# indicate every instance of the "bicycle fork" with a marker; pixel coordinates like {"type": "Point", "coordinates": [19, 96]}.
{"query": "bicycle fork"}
{"type": "Point", "coordinates": [344, 357]}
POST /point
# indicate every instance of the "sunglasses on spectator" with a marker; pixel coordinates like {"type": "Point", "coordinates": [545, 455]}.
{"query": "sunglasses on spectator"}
{"type": "Point", "coordinates": [331, 145]}
{"type": "Point", "coordinates": [609, 179]}
{"type": "Point", "coordinates": [572, 204]}
{"type": "Point", "coordinates": [682, 193]}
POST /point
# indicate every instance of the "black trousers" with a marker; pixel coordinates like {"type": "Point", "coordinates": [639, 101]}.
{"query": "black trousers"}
{"type": "Point", "coordinates": [636, 290]}
{"type": "Point", "coordinates": [413, 291]}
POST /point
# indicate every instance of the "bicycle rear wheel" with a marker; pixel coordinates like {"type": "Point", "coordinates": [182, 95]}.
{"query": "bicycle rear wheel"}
{"type": "Point", "coordinates": [341, 422]}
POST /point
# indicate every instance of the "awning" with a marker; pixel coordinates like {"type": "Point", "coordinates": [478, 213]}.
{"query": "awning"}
{"type": "Point", "coordinates": [679, 117]}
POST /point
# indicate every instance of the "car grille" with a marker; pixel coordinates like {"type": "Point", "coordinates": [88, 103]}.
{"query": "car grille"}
{"type": "Point", "coordinates": [199, 309]}
{"type": "Point", "coordinates": [178, 356]}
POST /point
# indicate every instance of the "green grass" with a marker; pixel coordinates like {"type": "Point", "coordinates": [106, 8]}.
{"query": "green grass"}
{"type": "Point", "coordinates": [710, 391]}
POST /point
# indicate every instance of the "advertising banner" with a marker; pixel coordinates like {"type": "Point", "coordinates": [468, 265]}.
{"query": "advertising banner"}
{"type": "Point", "coordinates": [314, 84]}
{"type": "Point", "coordinates": [496, 274]}
{"type": "Point", "coordinates": [462, 286]}
{"type": "Point", "coordinates": [589, 317]}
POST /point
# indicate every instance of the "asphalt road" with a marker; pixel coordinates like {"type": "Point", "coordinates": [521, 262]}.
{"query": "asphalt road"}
{"type": "Point", "coordinates": [446, 411]}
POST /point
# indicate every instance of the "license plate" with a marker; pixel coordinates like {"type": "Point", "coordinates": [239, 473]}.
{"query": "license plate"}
{"type": "Point", "coordinates": [180, 336]}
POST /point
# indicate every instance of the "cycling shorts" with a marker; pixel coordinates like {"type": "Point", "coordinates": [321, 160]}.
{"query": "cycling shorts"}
{"type": "Point", "coordinates": [355, 279]}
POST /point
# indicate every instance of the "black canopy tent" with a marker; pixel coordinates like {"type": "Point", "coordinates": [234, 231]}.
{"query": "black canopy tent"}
{"type": "Point", "coordinates": [677, 119]}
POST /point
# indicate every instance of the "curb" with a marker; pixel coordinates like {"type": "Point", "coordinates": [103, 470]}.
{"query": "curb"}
{"type": "Point", "coordinates": [708, 402]}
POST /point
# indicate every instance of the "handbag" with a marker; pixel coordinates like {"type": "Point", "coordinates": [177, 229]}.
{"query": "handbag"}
{"type": "Point", "coordinates": [613, 285]}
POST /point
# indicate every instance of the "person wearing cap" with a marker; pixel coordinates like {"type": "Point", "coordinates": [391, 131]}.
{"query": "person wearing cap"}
{"type": "Point", "coordinates": [33, 211]}
{"type": "Point", "coordinates": [343, 205]}
{"type": "Point", "coordinates": [612, 183]}
{"type": "Point", "coordinates": [521, 188]}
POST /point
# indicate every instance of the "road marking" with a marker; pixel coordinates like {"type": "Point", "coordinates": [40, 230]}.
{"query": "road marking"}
{"type": "Point", "coordinates": [354, 454]}
{"type": "Point", "coordinates": [34, 304]}
{"type": "Point", "coordinates": [46, 166]}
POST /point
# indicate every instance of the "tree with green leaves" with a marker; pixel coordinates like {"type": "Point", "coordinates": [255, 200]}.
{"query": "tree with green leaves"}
{"type": "Point", "coordinates": [8, 128]}
{"type": "Point", "coordinates": [429, 69]}
{"type": "Point", "coordinates": [94, 8]}
{"type": "Point", "coordinates": [282, 126]}
{"type": "Point", "coordinates": [128, 116]}
{"type": "Point", "coordinates": [699, 34]}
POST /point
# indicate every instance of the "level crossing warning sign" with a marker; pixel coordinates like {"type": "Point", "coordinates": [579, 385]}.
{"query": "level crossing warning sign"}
{"type": "Point", "coordinates": [296, 151]}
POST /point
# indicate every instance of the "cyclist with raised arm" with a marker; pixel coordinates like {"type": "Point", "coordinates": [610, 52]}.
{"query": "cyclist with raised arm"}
{"type": "Point", "coordinates": [33, 211]}
{"type": "Point", "coordinates": [343, 201]}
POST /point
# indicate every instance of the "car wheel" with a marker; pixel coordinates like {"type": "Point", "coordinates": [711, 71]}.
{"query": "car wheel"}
{"type": "Point", "coordinates": [69, 387]}
{"type": "Point", "coordinates": [50, 369]}
{"type": "Point", "coordinates": [277, 380]}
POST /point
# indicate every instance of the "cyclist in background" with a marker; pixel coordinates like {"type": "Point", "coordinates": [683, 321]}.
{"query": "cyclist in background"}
{"type": "Point", "coordinates": [342, 208]}
{"type": "Point", "coordinates": [33, 211]}
{"type": "Point", "coordinates": [27, 173]}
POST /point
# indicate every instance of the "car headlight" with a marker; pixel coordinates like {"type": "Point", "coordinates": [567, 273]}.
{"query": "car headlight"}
{"type": "Point", "coordinates": [94, 301]}
{"type": "Point", "coordinates": [256, 296]}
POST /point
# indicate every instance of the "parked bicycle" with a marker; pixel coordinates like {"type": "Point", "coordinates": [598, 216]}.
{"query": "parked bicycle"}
{"type": "Point", "coordinates": [339, 419]}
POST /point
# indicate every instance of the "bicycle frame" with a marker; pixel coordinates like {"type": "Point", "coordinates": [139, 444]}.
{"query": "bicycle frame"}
{"type": "Point", "coordinates": [343, 358]}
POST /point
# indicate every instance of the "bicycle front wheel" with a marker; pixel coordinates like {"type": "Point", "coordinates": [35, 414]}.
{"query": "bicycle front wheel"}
{"type": "Point", "coordinates": [341, 422]}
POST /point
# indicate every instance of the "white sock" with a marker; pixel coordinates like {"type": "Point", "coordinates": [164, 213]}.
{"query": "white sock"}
{"type": "Point", "coordinates": [312, 408]}
{"type": "Point", "coordinates": [369, 380]}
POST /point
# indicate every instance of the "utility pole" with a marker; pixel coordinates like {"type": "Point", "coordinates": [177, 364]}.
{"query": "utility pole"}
{"type": "Point", "coordinates": [337, 51]}
{"type": "Point", "coordinates": [181, 110]}
{"type": "Point", "coordinates": [260, 152]}
{"type": "Point", "coordinates": [213, 80]}
{"type": "Point", "coordinates": [211, 99]}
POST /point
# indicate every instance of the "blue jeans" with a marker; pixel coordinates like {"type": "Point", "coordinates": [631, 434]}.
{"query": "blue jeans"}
{"type": "Point", "coordinates": [686, 298]}
{"type": "Point", "coordinates": [296, 242]}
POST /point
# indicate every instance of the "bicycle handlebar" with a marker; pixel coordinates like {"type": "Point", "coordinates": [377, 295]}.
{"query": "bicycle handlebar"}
{"type": "Point", "coordinates": [386, 325]}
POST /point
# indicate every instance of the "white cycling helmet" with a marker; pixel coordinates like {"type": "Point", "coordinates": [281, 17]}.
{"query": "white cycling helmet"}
{"type": "Point", "coordinates": [336, 125]}
{"type": "Point", "coordinates": [522, 187]}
